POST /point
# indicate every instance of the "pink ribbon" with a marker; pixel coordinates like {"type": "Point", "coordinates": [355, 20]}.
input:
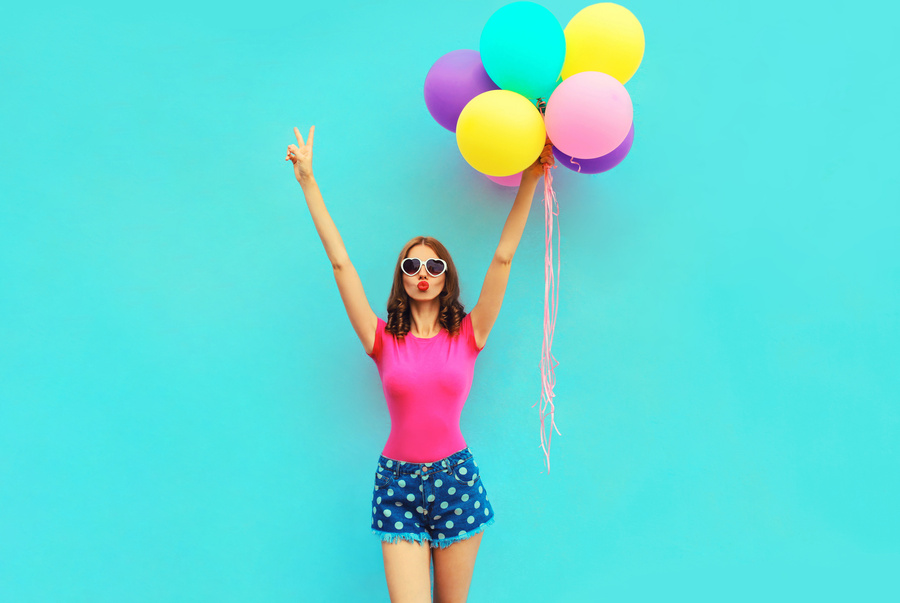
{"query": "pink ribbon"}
{"type": "Point", "coordinates": [551, 297]}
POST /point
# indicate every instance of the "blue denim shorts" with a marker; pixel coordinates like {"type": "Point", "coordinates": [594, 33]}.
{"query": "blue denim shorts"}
{"type": "Point", "coordinates": [441, 502]}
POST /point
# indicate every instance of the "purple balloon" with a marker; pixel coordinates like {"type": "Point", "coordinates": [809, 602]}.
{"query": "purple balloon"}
{"type": "Point", "coordinates": [454, 80]}
{"type": "Point", "coordinates": [598, 164]}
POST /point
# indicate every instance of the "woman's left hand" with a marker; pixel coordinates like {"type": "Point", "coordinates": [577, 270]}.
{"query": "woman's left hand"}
{"type": "Point", "coordinates": [536, 169]}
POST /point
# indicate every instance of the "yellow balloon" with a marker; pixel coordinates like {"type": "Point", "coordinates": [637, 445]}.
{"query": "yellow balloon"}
{"type": "Point", "coordinates": [500, 133]}
{"type": "Point", "coordinates": [604, 37]}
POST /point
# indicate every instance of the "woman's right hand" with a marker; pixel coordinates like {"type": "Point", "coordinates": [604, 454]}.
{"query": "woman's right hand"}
{"type": "Point", "coordinates": [300, 155]}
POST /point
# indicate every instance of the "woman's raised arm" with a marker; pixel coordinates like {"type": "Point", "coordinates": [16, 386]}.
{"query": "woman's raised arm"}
{"type": "Point", "coordinates": [350, 286]}
{"type": "Point", "coordinates": [485, 312]}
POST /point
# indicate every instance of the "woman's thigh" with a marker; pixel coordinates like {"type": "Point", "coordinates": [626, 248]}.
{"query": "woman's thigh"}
{"type": "Point", "coordinates": [453, 568]}
{"type": "Point", "coordinates": [407, 568]}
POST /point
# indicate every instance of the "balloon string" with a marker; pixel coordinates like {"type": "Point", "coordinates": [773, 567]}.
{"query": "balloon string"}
{"type": "Point", "coordinates": [551, 297]}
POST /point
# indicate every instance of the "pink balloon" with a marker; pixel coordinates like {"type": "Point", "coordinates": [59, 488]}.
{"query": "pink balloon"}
{"type": "Point", "coordinates": [588, 115]}
{"type": "Point", "coordinates": [513, 180]}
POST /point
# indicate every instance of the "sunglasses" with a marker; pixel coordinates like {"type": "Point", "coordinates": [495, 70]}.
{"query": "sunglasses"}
{"type": "Point", "coordinates": [433, 266]}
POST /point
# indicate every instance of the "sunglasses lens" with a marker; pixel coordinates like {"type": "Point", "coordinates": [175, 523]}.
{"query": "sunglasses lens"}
{"type": "Point", "coordinates": [435, 267]}
{"type": "Point", "coordinates": [410, 266]}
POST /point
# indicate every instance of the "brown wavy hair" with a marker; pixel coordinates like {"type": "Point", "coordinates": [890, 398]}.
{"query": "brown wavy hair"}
{"type": "Point", "coordinates": [451, 312]}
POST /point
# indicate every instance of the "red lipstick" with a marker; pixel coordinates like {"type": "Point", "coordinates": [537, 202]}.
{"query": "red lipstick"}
{"type": "Point", "coordinates": [423, 285]}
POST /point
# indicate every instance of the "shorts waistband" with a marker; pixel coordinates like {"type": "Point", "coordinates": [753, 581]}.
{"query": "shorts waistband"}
{"type": "Point", "coordinates": [407, 468]}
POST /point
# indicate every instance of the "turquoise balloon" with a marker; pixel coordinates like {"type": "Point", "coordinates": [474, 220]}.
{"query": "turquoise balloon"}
{"type": "Point", "coordinates": [523, 49]}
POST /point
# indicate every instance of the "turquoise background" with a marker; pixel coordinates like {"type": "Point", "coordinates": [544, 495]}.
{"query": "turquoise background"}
{"type": "Point", "coordinates": [187, 415]}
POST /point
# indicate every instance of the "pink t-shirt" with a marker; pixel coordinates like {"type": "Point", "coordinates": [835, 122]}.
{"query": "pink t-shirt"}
{"type": "Point", "coordinates": [426, 382]}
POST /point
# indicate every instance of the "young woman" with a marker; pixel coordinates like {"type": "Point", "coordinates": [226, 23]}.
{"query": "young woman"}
{"type": "Point", "coordinates": [429, 504]}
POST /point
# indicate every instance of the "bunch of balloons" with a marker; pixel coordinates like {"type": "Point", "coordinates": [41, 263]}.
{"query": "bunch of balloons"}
{"type": "Point", "coordinates": [532, 80]}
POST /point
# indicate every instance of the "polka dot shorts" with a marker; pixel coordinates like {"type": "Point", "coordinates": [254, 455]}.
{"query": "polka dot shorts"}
{"type": "Point", "coordinates": [441, 502]}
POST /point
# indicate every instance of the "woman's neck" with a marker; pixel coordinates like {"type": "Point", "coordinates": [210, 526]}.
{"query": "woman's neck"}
{"type": "Point", "coordinates": [424, 315]}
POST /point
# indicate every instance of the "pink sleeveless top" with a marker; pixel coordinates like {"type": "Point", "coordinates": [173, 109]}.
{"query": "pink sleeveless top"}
{"type": "Point", "coordinates": [426, 382]}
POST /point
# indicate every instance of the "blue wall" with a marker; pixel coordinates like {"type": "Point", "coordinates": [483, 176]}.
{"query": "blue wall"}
{"type": "Point", "coordinates": [186, 414]}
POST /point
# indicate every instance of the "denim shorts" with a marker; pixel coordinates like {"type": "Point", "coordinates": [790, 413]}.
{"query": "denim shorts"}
{"type": "Point", "coordinates": [441, 502]}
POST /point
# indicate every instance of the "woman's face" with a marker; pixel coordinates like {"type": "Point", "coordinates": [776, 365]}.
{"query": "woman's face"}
{"type": "Point", "coordinates": [433, 285]}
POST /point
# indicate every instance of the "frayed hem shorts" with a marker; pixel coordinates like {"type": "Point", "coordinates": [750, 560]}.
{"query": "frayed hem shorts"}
{"type": "Point", "coordinates": [441, 502]}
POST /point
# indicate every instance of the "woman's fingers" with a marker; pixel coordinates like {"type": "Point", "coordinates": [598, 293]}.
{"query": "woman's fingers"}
{"type": "Point", "coordinates": [547, 154]}
{"type": "Point", "coordinates": [299, 136]}
{"type": "Point", "coordinates": [300, 154]}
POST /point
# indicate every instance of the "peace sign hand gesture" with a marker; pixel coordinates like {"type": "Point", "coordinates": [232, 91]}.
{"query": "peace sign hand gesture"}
{"type": "Point", "coordinates": [301, 156]}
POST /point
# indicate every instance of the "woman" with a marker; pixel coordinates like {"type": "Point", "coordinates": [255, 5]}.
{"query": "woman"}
{"type": "Point", "coordinates": [429, 502]}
